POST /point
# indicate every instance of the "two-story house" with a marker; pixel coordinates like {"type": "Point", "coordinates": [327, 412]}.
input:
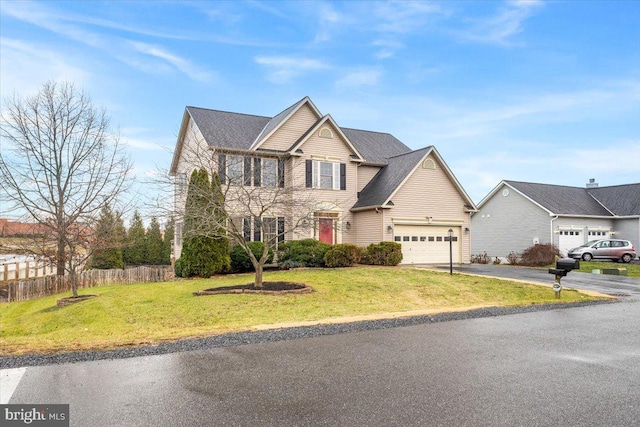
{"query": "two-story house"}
{"type": "Point", "coordinates": [367, 187]}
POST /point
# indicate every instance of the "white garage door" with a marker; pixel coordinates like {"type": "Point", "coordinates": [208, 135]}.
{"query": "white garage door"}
{"type": "Point", "coordinates": [598, 235]}
{"type": "Point", "coordinates": [570, 239]}
{"type": "Point", "coordinates": [427, 244]}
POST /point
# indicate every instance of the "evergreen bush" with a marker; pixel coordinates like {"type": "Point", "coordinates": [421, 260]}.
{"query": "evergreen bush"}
{"type": "Point", "coordinates": [304, 253]}
{"type": "Point", "coordinates": [342, 255]}
{"type": "Point", "coordinates": [383, 253]}
{"type": "Point", "coordinates": [240, 261]}
{"type": "Point", "coordinates": [203, 255]}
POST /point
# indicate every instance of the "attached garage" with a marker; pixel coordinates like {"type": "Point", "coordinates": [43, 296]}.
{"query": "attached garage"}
{"type": "Point", "coordinates": [569, 239]}
{"type": "Point", "coordinates": [427, 244]}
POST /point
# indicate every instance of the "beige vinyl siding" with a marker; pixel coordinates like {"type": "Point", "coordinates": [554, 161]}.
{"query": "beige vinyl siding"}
{"type": "Point", "coordinates": [429, 193]}
{"type": "Point", "coordinates": [291, 130]}
{"type": "Point", "coordinates": [368, 227]}
{"type": "Point", "coordinates": [366, 174]}
{"type": "Point", "coordinates": [339, 201]}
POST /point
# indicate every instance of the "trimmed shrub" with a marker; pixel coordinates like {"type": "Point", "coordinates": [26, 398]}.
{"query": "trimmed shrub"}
{"type": "Point", "coordinates": [303, 253]}
{"type": "Point", "coordinates": [540, 255]}
{"type": "Point", "coordinates": [342, 255]}
{"type": "Point", "coordinates": [482, 258]}
{"type": "Point", "coordinates": [240, 260]}
{"type": "Point", "coordinates": [383, 253]}
{"type": "Point", "coordinates": [177, 268]}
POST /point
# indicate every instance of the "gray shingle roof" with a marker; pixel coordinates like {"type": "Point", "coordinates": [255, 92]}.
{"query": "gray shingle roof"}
{"type": "Point", "coordinates": [375, 147]}
{"type": "Point", "coordinates": [240, 131]}
{"type": "Point", "coordinates": [380, 188]}
{"type": "Point", "coordinates": [230, 130]}
{"type": "Point", "coordinates": [617, 200]}
{"type": "Point", "coordinates": [622, 200]}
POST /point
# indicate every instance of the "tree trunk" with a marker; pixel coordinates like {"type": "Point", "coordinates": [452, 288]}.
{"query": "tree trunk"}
{"type": "Point", "coordinates": [258, 280]}
{"type": "Point", "coordinates": [60, 258]}
{"type": "Point", "coordinates": [74, 283]}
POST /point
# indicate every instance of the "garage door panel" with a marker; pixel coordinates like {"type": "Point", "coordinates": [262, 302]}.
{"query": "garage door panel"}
{"type": "Point", "coordinates": [569, 239]}
{"type": "Point", "coordinates": [426, 244]}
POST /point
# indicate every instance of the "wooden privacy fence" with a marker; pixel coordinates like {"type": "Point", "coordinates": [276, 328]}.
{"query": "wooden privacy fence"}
{"type": "Point", "coordinates": [30, 289]}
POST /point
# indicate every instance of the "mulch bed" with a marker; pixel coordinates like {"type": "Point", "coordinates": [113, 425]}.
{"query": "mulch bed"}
{"type": "Point", "coordinates": [63, 302]}
{"type": "Point", "coordinates": [268, 288]}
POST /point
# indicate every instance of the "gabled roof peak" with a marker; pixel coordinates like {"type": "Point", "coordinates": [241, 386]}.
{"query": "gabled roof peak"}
{"type": "Point", "coordinates": [282, 117]}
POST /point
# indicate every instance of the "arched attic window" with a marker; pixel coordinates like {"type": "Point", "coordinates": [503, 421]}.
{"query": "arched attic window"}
{"type": "Point", "coordinates": [428, 164]}
{"type": "Point", "coordinates": [325, 133]}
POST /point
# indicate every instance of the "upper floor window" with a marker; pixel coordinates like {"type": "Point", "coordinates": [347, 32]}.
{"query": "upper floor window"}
{"type": "Point", "coordinates": [326, 175]}
{"type": "Point", "coordinates": [235, 169]}
{"type": "Point", "coordinates": [270, 172]}
{"type": "Point", "coordinates": [239, 170]}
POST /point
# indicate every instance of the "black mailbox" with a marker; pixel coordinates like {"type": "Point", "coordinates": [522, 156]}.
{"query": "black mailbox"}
{"type": "Point", "coordinates": [559, 272]}
{"type": "Point", "coordinates": [567, 264]}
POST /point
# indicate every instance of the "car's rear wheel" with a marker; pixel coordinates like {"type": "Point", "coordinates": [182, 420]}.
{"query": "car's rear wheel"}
{"type": "Point", "coordinates": [587, 257]}
{"type": "Point", "coordinates": [626, 258]}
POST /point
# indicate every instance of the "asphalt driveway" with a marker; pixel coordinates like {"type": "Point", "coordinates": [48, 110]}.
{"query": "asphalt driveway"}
{"type": "Point", "coordinates": [619, 286]}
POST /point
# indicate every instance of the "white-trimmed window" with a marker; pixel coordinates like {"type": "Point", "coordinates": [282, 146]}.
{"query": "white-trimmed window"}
{"type": "Point", "coordinates": [326, 175]}
{"type": "Point", "coordinates": [269, 172]}
{"type": "Point", "coordinates": [235, 169]}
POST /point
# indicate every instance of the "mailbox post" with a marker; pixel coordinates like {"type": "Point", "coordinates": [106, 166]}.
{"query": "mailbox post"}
{"type": "Point", "coordinates": [563, 267]}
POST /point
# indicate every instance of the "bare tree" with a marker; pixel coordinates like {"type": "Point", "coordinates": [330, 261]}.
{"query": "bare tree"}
{"type": "Point", "coordinates": [258, 198]}
{"type": "Point", "coordinates": [60, 165]}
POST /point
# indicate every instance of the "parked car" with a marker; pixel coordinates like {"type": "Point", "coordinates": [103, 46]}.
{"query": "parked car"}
{"type": "Point", "coordinates": [615, 250]}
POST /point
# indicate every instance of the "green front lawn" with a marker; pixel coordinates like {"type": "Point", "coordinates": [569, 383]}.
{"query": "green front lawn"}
{"type": "Point", "coordinates": [128, 315]}
{"type": "Point", "coordinates": [633, 270]}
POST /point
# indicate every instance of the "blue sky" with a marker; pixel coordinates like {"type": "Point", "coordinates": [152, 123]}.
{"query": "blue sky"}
{"type": "Point", "coordinates": [521, 90]}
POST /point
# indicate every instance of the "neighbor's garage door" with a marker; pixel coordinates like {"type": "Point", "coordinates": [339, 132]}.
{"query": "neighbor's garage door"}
{"type": "Point", "coordinates": [427, 244]}
{"type": "Point", "coordinates": [570, 239]}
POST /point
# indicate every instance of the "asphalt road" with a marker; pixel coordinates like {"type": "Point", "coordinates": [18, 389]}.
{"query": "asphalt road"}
{"type": "Point", "coordinates": [628, 287]}
{"type": "Point", "coordinates": [568, 367]}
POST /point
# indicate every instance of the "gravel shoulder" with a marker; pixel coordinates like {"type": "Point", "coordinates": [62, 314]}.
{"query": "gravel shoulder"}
{"type": "Point", "coordinates": [273, 333]}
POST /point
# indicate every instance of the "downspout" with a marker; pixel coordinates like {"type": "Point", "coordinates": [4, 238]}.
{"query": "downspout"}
{"type": "Point", "coordinates": [551, 225]}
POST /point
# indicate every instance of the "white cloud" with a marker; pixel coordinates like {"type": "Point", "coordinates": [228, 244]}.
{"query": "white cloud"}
{"type": "Point", "coordinates": [560, 165]}
{"type": "Point", "coordinates": [122, 49]}
{"type": "Point", "coordinates": [329, 20]}
{"type": "Point", "coordinates": [387, 48]}
{"type": "Point", "coordinates": [363, 77]}
{"type": "Point", "coordinates": [283, 69]}
{"type": "Point", "coordinates": [177, 62]}
{"type": "Point", "coordinates": [403, 17]}
{"type": "Point", "coordinates": [500, 28]}
{"type": "Point", "coordinates": [22, 69]}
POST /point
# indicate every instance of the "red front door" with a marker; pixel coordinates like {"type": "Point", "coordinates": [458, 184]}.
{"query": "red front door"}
{"type": "Point", "coordinates": [325, 228]}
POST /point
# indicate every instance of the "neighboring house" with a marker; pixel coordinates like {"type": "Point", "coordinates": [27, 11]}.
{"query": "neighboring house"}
{"type": "Point", "coordinates": [368, 186]}
{"type": "Point", "coordinates": [517, 215]}
{"type": "Point", "coordinates": [9, 228]}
